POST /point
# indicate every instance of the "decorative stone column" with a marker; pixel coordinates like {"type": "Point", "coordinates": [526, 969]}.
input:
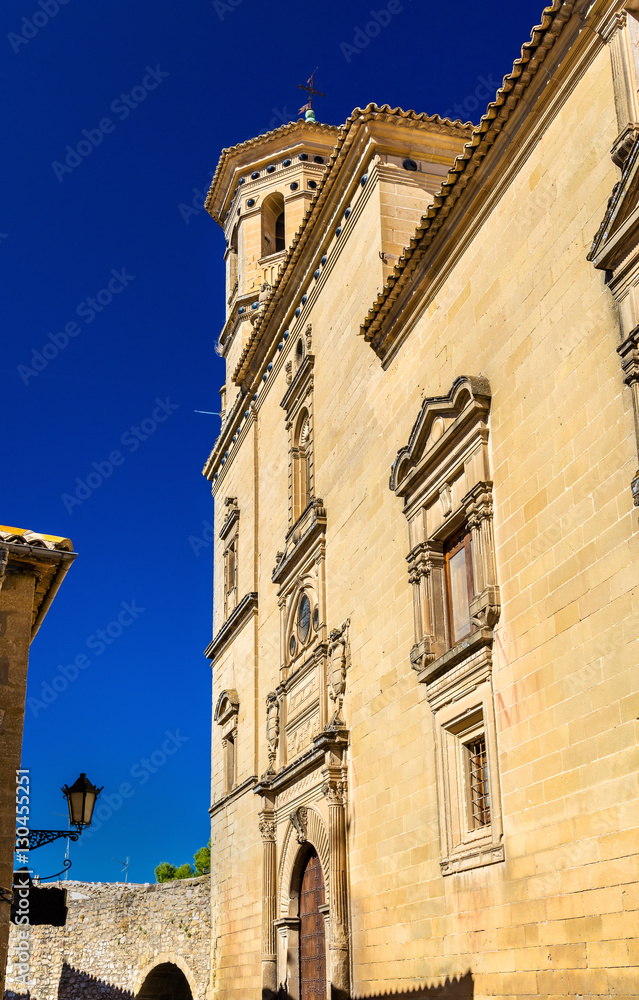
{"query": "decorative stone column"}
{"type": "Point", "coordinates": [629, 354]}
{"type": "Point", "coordinates": [269, 903]}
{"type": "Point", "coordinates": [616, 32]}
{"type": "Point", "coordinates": [486, 604]}
{"type": "Point", "coordinates": [425, 573]}
{"type": "Point", "coordinates": [334, 790]}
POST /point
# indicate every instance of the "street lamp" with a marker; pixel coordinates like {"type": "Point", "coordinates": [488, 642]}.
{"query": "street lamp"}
{"type": "Point", "coordinates": [81, 797]}
{"type": "Point", "coordinates": [81, 801]}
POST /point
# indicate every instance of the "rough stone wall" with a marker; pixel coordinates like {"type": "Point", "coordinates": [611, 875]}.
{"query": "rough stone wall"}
{"type": "Point", "coordinates": [115, 935]}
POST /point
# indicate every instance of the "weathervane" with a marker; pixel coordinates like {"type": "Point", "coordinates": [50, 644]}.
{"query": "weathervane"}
{"type": "Point", "coordinates": [309, 87]}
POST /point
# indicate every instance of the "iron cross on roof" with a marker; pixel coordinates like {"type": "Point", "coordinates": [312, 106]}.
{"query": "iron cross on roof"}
{"type": "Point", "coordinates": [309, 87]}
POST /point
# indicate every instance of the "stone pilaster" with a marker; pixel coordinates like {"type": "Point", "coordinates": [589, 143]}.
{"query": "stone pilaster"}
{"type": "Point", "coordinates": [269, 902]}
{"type": "Point", "coordinates": [334, 790]}
{"type": "Point", "coordinates": [629, 354]}
{"type": "Point", "coordinates": [486, 604]}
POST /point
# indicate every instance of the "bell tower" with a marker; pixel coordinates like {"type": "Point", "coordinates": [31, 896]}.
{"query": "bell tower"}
{"type": "Point", "coordinates": [259, 195]}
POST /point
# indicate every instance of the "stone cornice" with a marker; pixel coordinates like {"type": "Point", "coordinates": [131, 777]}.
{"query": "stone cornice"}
{"type": "Point", "coordinates": [235, 621]}
{"type": "Point", "coordinates": [329, 739]}
{"type": "Point", "coordinates": [363, 130]}
{"type": "Point", "coordinates": [530, 95]}
{"type": "Point", "coordinates": [236, 793]}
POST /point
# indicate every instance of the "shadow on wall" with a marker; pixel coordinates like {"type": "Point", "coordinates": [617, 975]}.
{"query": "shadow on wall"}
{"type": "Point", "coordinates": [461, 988]}
{"type": "Point", "coordinates": [75, 984]}
{"type": "Point", "coordinates": [10, 995]}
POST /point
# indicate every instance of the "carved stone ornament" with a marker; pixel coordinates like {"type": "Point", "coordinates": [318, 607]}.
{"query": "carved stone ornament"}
{"type": "Point", "coordinates": [267, 829]}
{"type": "Point", "coordinates": [308, 335]}
{"type": "Point", "coordinates": [299, 821]}
{"type": "Point", "coordinates": [446, 499]}
{"type": "Point", "coordinates": [272, 728]}
{"type": "Point", "coordinates": [338, 653]}
{"type": "Point", "coordinates": [334, 791]}
{"type": "Point", "coordinates": [288, 368]}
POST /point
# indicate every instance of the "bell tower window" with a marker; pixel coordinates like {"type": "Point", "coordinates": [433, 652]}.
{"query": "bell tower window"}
{"type": "Point", "coordinates": [273, 224]}
{"type": "Point", "coordinates": [280, 239]}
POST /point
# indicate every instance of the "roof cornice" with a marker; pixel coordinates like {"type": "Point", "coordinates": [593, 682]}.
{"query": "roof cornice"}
{"type": "Point", "coordinates": [353, 129]}
{"type": "Point", "coordinates": [395, 301]}
{"type": "Point", "coordinates": [250, 152]}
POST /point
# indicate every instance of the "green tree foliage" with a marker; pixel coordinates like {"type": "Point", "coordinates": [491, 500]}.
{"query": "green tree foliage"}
{"type": "Point", "coordinates": [185, 871]}
{"type": "Point", "coordinates": [203, 859]}
{"type": "Point", "coordinates": [167, 873]}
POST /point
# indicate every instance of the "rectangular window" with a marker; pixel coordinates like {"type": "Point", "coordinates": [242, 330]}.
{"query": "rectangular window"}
{"type": "Point", "coordinates": [459, 588]}
{"type": "Point", "coordinates": [477, 777]}
{"type": "Point", "coordinates": [230, 578]}
{"type": "Point", "coordinates": [229, 762]}
{"type": "Point", "coordinates": [468, 778]}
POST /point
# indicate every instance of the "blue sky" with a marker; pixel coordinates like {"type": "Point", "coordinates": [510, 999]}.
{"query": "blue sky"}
{"type": "Point", "coordinates": [114, 117]}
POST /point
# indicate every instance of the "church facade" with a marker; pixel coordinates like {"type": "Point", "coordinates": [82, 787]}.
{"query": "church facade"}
{"type": "Point", "coordinates": [424, 652]}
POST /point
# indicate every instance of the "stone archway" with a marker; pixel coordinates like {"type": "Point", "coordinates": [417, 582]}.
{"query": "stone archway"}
{"type": "Point", "coordinates": [165, 982]}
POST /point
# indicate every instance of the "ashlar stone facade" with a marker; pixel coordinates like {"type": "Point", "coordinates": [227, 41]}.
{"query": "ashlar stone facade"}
{"type": "Point", "coordinates": [425, 763]}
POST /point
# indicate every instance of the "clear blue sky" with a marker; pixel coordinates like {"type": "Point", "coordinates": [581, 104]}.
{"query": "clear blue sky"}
{"type": "Point", "coordinates": [107, 222]}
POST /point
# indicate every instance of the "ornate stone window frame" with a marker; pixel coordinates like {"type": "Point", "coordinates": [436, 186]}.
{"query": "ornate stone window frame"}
{"type": "Point", "coordinates": [229, 537]}
{"type": "Point", "coordinates": [621, 33]}
{"type": "Point", "coordinates": [443, 476]}
{"type": "Point", "coordinates": [298, 407]}
{"type": "Point", "coordinates": [456, 722]}
{"type": "Point", "coordinates": [226, 716]}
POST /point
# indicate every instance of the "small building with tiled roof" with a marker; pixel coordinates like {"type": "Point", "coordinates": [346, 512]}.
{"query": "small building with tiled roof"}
{"type": "Point", "coordinates": [32, 568]}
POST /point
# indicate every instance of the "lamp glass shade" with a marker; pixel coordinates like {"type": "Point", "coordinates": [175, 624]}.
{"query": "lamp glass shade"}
{"type": "Point", "coordinates": [81, 798]}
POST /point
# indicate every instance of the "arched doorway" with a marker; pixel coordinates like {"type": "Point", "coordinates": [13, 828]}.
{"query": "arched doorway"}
{"type": "Point", "coordinates": [312, 938]}
{"type": "Point", "coordinates": [165, 982]}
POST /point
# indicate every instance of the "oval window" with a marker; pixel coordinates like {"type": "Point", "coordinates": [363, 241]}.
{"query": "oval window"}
{"type": "Point", "coordinates": [292, 645]}
{"type": "Point", "coordinates": [303, 618]}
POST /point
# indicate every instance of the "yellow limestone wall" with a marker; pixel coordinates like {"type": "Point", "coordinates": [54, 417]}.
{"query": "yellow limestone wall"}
{"type": "Point", "coordinates": [558, 918]}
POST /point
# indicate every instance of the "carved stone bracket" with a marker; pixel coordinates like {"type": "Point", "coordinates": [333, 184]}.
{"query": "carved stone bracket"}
{"type": "Point", "coordinates": [298, 819]}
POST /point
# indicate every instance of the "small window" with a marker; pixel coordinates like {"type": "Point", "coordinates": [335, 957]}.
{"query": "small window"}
{"type": "Point", "coordinates": [230, 577]}
{"type": "Point", "coordinates": [303, 618]}
{"type": "Point", "coordinates": [477, 778]}
{"type": "Point", "coordinates": [280, 241]}
{"type": "Point", "coordinates": [468, 780]}
{"type": "Point", "coordinates": [229, 762]}
{"type": "Point", "coordinates": [459, 588]}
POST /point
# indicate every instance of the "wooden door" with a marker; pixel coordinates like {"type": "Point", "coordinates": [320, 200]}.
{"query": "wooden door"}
{"type": "Point", "coordinates": [312, 938]}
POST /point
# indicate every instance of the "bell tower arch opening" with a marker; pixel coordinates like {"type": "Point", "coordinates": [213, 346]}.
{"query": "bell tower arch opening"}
{"type": "Point", "coordinates": [165, 982]}
{"type": "Point", "coordinates": [273, 224]}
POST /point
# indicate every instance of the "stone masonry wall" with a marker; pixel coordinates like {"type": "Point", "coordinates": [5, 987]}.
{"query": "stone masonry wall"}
{"type": "Point", "coordinates": [115, 935]}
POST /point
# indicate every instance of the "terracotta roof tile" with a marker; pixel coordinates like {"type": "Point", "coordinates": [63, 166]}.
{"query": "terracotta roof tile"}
{"type": "Point", "coordinates": [483, 136]}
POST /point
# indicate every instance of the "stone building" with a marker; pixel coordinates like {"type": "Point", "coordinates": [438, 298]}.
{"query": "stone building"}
{"type": "Point", "coordinates": [425, 766]}
{"type": "Point", "coordinates": [32, 568]}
